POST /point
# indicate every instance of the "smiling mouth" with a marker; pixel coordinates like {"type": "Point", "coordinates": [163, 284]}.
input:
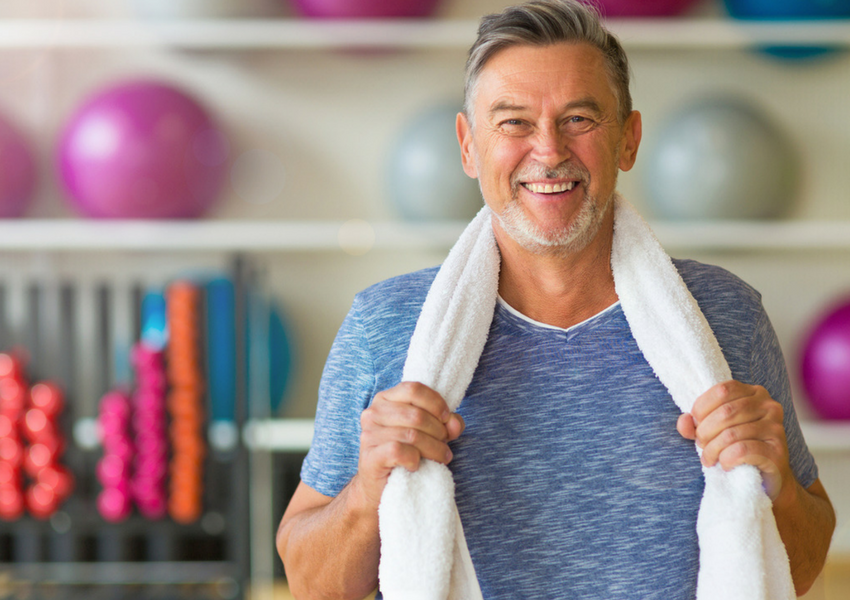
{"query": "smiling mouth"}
{"type": "Point", "coordinates": [550, 188]}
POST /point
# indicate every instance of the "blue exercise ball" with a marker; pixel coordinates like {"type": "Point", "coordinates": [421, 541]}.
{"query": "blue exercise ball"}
{"type": "Point", "coordinates": [425, 177]}
{"type": "Point", "coordinates": [721, 159]}
{"type": "Point", "coordinates": [785, 10]}
{"type": "Point", "coordinates": [788, 9]}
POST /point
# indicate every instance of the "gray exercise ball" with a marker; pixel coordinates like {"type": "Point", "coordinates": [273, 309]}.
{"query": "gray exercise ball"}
{"type": "Point", "coordinates": [721, 159]}
{"type": "Point", "coordinates": [425, 178]}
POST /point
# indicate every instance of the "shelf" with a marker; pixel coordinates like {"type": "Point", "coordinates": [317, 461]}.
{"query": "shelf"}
{"type": "Point", "coordinates": [124, 573]}
{"type": "Point", "coordinates": [826, 436]}
{"type": "Point", "coordinates": [358, 236]}
{"type": "Point", "coordinates": [303, 34]}
{"type": "Point", "coordinates": [167, 236]}
{"type": "Point", "coordinates": [295, 435]}
{"type": "Point", "coordinates": [279, 435]}
{"type": "Point", "coordinates": [754, 235]}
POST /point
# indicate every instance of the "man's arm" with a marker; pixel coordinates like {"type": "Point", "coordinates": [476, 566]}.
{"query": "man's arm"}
{"type": "Point", "coordinates": [736, 424]}
{"type": "Point", "coordinates": [330, 547]}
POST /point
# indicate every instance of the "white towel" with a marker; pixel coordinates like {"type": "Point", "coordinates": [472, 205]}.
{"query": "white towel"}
{"type": "Point", "coordinates": [423, 550]}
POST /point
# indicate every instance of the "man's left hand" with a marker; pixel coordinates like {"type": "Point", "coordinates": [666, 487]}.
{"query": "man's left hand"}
{"type": "Point", "coordinates": [734, 424]}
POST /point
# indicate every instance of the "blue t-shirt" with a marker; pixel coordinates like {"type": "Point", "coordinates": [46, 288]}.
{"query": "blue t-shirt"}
{"type": "Point", "coordinates": [571, 479]}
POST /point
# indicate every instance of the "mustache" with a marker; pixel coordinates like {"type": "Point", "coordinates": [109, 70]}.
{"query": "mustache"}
{"type": "Point", "coordinates": [535, 171]}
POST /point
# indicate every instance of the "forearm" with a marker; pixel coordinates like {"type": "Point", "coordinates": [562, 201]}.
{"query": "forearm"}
{"type": "Point", "coordinates": [806, 520]}
{"type": "Point", "coordinates": [332, 551]}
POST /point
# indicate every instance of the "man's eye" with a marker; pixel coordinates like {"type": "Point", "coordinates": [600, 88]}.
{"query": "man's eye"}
{"type": "Point", "coordinates": [579, 124]}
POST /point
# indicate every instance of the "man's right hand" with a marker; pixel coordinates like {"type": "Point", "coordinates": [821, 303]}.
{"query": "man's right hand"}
{"type": "Point", "coordinates": [403, 425]}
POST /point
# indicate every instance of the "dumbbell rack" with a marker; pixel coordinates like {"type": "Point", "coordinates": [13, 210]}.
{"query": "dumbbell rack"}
{"type": "Point", "coordinates": [76, 552]}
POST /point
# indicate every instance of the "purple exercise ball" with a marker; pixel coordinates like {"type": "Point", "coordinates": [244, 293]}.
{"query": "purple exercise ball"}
{"type": "Point", "coordinates": [142, 150]}
{"type": "Point", "coordinates": [826, 364]}
{"type": "Point", "coordinates": [365, 9]}
{"type": "Point", "coordinates": [640, 8]}
{"type": "Point", "coordinates": [17, 171]}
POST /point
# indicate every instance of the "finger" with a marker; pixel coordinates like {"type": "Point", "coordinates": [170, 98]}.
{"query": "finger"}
{"type": "Point", "coordinates": [686, 426]}
{"type": "Point", "coordinates": [425, 445]}
{"type": "Point", "coordinates": [396, 415]}
{"type": "Point", "coordinates": [381, 460]}
{"type": "Point", "coordinates": [455, 426]}
{"type": "Point", "coordinates": [760, 436]}
{"type": "Point", "coordinates": [726, 416]}
{"type": "Point", "coordinates": [759, 455]}
{"type": "Point", "coordinates": [716, 396]}
{"type": "Point", "coordinates": [418, 394]}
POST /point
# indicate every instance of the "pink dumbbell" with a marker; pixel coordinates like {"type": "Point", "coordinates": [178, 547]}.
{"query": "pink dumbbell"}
{"type": "Point", "coordinates": [116, 403]}
{"type": "Point", "coordinates": [115, 503]}
{"type": "Point", "coordinates": [112, 470]}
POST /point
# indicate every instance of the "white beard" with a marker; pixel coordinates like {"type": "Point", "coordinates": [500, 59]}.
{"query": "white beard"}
{"type": "Point", "coordinates": [566, 240]}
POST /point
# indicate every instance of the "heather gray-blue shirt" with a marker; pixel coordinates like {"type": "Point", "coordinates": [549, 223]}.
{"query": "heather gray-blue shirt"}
{"type": "Point", "coordinates": [571, 479]}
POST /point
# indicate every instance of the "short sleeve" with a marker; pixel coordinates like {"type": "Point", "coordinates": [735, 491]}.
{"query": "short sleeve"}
{"type": "Point", "coordinates": [346, 389]}
{"type": "Point", "coordinates": [767, 368]}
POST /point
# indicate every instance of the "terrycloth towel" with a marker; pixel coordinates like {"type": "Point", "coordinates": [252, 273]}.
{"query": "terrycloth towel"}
{"type": "Point", "coordinates": [423, 550]}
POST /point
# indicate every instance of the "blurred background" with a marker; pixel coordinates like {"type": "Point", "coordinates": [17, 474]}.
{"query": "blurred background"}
{"type": "Point", "coordinates": [192, 191]}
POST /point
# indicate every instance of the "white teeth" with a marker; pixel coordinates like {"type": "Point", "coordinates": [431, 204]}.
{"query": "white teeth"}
{"type": "Point", "coordinates": [548, 188]}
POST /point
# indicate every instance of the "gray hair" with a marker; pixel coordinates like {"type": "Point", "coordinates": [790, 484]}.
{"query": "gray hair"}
{"type": "Point", "coordinates": [543, 23]}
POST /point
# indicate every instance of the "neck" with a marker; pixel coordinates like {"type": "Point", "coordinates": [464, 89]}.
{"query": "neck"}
{"type": "Point", "coordinates": [558, 289]}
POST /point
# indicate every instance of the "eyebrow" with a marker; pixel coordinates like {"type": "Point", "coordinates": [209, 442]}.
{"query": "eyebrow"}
{"type": "Point", "coordinates": [508, 106]}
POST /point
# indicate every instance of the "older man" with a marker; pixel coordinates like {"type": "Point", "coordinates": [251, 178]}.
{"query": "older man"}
{"type": "Point", "coordinates": [574, 471]}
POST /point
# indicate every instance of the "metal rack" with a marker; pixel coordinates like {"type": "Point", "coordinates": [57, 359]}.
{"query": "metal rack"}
{"type": "Point", "coordinates": [76, 549]}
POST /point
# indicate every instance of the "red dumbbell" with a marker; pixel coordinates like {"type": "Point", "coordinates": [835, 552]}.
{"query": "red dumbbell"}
{"type": "Point", "coordinates": [38, 425]}
{"type": "Point", "coordinates": [12, 451]}
{"type": "Point", "coordinates": [48, 397]}
{"type": "Point", "coordinates": [10, 366]}
{"type": "Point", "coordinates": [42, 454]}
{"type": "Point", "coordinates": [42, 500]}
{"type": "Point", "coordinates": [11, 502]}
{"type": "Point", "coordinates": [59, 479]}
{"type": "Point", "coordinates": [13, 396]}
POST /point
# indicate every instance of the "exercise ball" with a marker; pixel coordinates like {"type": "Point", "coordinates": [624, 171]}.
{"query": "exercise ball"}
{"type": "Point", "coordinates": [781, 10]}
{"type": "Point", "coordinates": [640, 8]}
{"type": "Point", "coordinates": [17, 171]}
{"type": "Point", "coordinates": [825, 367]}
{"type": "Point", "coordinates": [425, 177]}
{"type": "Point", "coordinates": [720, 159]}
{"type": "Point", "coordinates": [142, 149]}
{"type": "Point", "coordinates": [365, 9]}
{"type": "Point", "coordinates": [788, 9]}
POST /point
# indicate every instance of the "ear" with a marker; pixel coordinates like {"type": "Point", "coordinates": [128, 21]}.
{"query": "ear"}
{"type": "Point", "coordinates": [464, 138]}
{"type": "Point", "coordinates": [630, 141]}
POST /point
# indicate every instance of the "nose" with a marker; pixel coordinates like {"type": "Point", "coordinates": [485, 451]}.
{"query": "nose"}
{"type": "Point", "coordinates": [551, 146]}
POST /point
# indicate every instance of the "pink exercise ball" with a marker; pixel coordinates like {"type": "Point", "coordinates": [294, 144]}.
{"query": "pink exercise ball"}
{"type": "Point", "coordinates": [17, 171]}
{"type": "Point", "coordinates": [640, 8]}
{"type": "Point", "coordinates": [365, 9]}
{"type": "Point", "coordinates": [142, 150]}
{"type": "Point", "coordinates": [826, 364]}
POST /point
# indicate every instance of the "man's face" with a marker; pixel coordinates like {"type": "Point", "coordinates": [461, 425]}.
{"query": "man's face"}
{"type": "Point", "coordinates": [547, 145]}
